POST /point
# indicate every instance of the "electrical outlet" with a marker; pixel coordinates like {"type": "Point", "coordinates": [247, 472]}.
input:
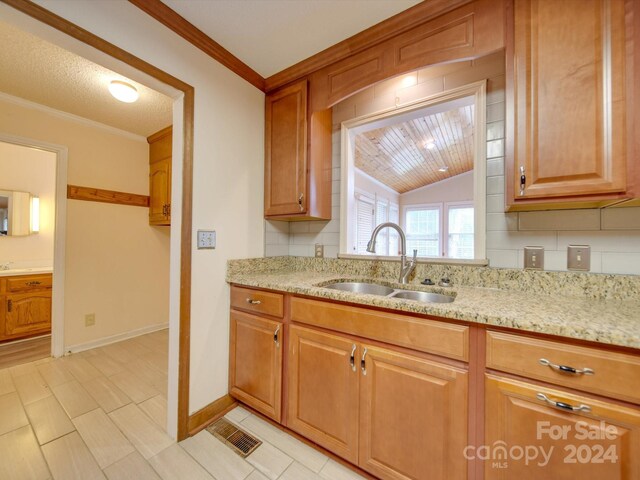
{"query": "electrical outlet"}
{"type": "Point", "coordinates": [534, 258]}
{"type": "Point", "coordinates": [89, 319]}
{"type": "Point", "coordinates": [319, 250]}
{"type": "Point", "coordinates": [579, 258]}
{"type": "Point", "coordinates": [206, 239]}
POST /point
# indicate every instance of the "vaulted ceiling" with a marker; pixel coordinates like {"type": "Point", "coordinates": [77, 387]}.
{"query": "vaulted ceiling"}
{"type": "Point", "coordinates": [411, 154]}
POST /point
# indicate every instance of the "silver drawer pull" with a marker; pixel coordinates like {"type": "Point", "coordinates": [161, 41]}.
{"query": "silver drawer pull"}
{"type": "Point", "coordinates": [251, 301]}
{"type": "Point", "coordinates": [566, 369]}
{"type": "Point", "coordinates": [352, 358]}
{"type": "Point", "coordinates": [275, 336]}
{"type": "Point", "coordinates": [562, 405]}
{"type": "Point", "coordinates": [363, 363]}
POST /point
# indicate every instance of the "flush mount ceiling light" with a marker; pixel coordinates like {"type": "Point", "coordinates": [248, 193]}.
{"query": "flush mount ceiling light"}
{"type": "Point", "coordinates": [430, 145]}
{"type": "Point", "coordinates": [123, 91]}
{"type": "Point", "coordinates": [444, 168]}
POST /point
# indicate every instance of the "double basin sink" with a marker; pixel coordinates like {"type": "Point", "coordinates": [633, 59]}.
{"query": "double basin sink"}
{"type": "Point", "coordinates": [384, 291]}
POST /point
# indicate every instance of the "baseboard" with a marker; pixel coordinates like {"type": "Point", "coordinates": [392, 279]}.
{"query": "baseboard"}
{"type": "Point", "coordinates": [213, 411]}
{"type": "Point", "coordinates": [101, 342]}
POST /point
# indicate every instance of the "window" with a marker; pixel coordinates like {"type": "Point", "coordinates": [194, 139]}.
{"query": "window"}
{"type": "Point", "coordinates": [436, 235]}
{"type": "Point", "coordinates": [372, 210]}
{"type": "Point", "coordinates": [364, 227]}
{"type": "Point", "coordinates": [460, 231]}
{"type": "Point", "coordinates": [422, 224]}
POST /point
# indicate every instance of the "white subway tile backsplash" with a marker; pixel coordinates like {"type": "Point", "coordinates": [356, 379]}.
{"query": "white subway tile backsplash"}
{"type": "Point", "coordinates": [495, 148]}
{"type": "Point", "coordinates": [502, 221]}
{"type": "Point", "coordinates": [504, 240]}
{"type": "Point", "coordinates": [495, 130]}
{"type": "Point", "coordinates": [495, 112]}
{"type": "Point", "coordinates": [603, 241]}
{"type": "Point", "coordinates": [495, 203]}
{"type": "Point", "coordinates": [304, 239]}
{"type": "Point", "coordinates": [419, 91]}
{"type": "Point", "coordinates": [624, 263]}
{"type": "Point", "coordinates": [559, 220]}
{"type": "Point", "coordinates": [495, 167]}
{"type": "Point", "coordinates": [331, 251]}
{"type": "Point", "coordinates": [272, 226]}
{"type": "Point", "coordinates": [299, 227]}
{"type": "Point", "coordinates": [502, 258]}
{"type": "Point", "coordinates": [301, 250]}
{"type": "Point", "coordinates": [330, 238]}
{"type": "Point", "coordinates": [375, 105]}
{"type": "Point", "coordinates": [276, 250]}
{"type": "Point", "coordinates": [626, 218]}
{"type": "Point", "coordinates": [495, 185]}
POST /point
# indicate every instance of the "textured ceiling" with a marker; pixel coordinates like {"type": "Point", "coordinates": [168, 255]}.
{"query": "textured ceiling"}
{"type": "Point", "coordinates": [36, 70]}
{"type": "Point", "coordinates": [396, 155]}
{"type": "Point", "coordinates": [271, 35]}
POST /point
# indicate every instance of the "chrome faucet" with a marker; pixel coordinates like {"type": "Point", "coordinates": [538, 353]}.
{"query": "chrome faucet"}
{"type": "Point", "coordinates": [405, 267]}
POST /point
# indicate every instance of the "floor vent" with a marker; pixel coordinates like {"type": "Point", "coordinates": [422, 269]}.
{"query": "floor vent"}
{"type": "Point", "coordinates": [239, 440]}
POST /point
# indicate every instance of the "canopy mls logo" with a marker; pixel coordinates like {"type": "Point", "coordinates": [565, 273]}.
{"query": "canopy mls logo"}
{"type": "Point", "coordinates": [589, 451]}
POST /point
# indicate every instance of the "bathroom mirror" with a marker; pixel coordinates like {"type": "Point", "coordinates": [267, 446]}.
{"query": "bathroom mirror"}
{"type": "Point", "coordinates": [15, 213]}
{"type": "Point", "coordinates": [422, 166]}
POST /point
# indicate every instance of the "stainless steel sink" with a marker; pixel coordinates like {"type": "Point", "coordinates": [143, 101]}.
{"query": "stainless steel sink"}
{"type": "Point", "coordinates": [361, 287]}
{"type": "Point", "coordinates": [426, 297]}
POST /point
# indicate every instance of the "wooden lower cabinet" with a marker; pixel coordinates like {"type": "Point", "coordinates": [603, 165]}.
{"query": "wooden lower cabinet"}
{"type": "Point", "coordinates": [602, 443]}
{"type": "Point", "coordinates": [394, 415]}
{"type": "Point", "coordinates": [255, 373]}
{"type": "Point", "coordinates": [323, 390]}
{"type": "Point", "coordinates": [413, 417]}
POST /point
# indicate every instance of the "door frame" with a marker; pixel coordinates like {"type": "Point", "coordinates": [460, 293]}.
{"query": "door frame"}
{"type": "Point", "coordinates": [45, 16]}
{"type": "Point", "coordinates": [59, 234]}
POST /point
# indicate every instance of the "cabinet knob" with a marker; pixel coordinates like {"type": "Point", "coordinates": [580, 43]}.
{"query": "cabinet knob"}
{"type": "Point", "coordinates": [300, 199]}
{"type": "Point", "coordinates": [352, 359]}
{"type": "Point", "coordinates": [9, 305]}
{"type": "Point", "coordinates": [275, 336]}
{"type": "Point", "coordinates": [566, 368]}
{"type": "Point", "coordinates": [523, 180]}
{"type": "Point", "coordinates": [563, 405]}
{"type": "Point", "coordinates": [251, 301]}
{"type": "Point", "coordinates": [363, 362]}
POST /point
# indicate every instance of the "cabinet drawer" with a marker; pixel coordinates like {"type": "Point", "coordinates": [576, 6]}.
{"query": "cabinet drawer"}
{"type": "Point", "coordinates": [257, 301]}
{"type": "Point", "coordinates": [615, 375]}
{"type": "Point", "coordinates": [28, 282]}
{"type": "Point", "coordinates": [430, 336]}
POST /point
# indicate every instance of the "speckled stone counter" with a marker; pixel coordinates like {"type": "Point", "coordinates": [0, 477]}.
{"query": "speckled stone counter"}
{"type": "Point", "coordinates": [594, 307]}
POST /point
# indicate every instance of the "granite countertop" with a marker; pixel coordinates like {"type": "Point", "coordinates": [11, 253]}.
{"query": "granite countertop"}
{"type": "Point", "coordinates": [610, 321]}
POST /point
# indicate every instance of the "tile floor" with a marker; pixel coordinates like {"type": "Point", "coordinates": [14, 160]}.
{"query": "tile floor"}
{"type": "Point", "coordinates": [100, 414]}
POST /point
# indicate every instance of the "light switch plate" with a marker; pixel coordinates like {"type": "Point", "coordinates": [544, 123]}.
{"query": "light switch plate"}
{"type": "Point", "coordinates": [319, 250]}
{"type": "Point", "coordinates": [534, 258]}
{"type": "Point", "coordinates": [206, 239]}
{"type": "Point", "coordinates": [579, 258]}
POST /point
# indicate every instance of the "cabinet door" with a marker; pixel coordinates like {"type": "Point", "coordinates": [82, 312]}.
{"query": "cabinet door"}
{"type": "Point", "coordinates": [160, 192]}
{"type": "Point", "coordinates": [255, 376]}
{"type": "Point", "coordinates": [323, 390]}
{"type": "Point", "coordinates": [285, 189]}
{"type": "Point", "coordinates": [566, 69]}
{"type": "Point", "coordinates": [602, 443]}
{"type": "Point", "coordinates": [413, 417]}
{"type": "Point", "coordinates": [27, 313]}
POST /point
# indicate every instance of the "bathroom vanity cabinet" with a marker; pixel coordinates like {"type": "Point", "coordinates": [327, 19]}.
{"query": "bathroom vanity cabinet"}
{"type": "Point", "coordinates": [26, 306]}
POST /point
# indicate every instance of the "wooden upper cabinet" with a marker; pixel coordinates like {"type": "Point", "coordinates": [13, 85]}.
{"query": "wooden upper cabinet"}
{"type": "Point", "coordinates": [297, 160]}
{"type": "Point", "coordinates": [566, 103]}
{"type": "Point", "coordinates": [160, 145]}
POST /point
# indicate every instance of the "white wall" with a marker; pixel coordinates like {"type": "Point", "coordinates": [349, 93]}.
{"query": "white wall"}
{"type": "Point", "coordinates": [614, 233]}
{"type": "Point", "coordinates": [228, 176]}
{"type": "Point", "coordinates": [365, 183]}
{"type": "Point", "coordinates": [17, 164]}
{"type": "Point", "coordinates": [454, 189]}
{"type": "Point", "coordinates": [116, 264]}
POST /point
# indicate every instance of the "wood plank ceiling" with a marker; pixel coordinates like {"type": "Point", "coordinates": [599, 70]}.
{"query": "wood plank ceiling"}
{"type": "Point", "coordinates": [412, 154]}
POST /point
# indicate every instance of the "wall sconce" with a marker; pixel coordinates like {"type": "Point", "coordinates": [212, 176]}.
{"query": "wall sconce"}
{"type": "Point", "coordinates": [35, 214]}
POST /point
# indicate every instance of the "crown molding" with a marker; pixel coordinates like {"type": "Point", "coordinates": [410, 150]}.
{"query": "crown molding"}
{"type": "Point", "coordinates": [179, 25]}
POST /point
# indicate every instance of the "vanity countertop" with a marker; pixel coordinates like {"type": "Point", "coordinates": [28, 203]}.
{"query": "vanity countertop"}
{"type": "Point", "coordinates": [614, 321]}
{"type": "Point", "coordinates": [25, 271]}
